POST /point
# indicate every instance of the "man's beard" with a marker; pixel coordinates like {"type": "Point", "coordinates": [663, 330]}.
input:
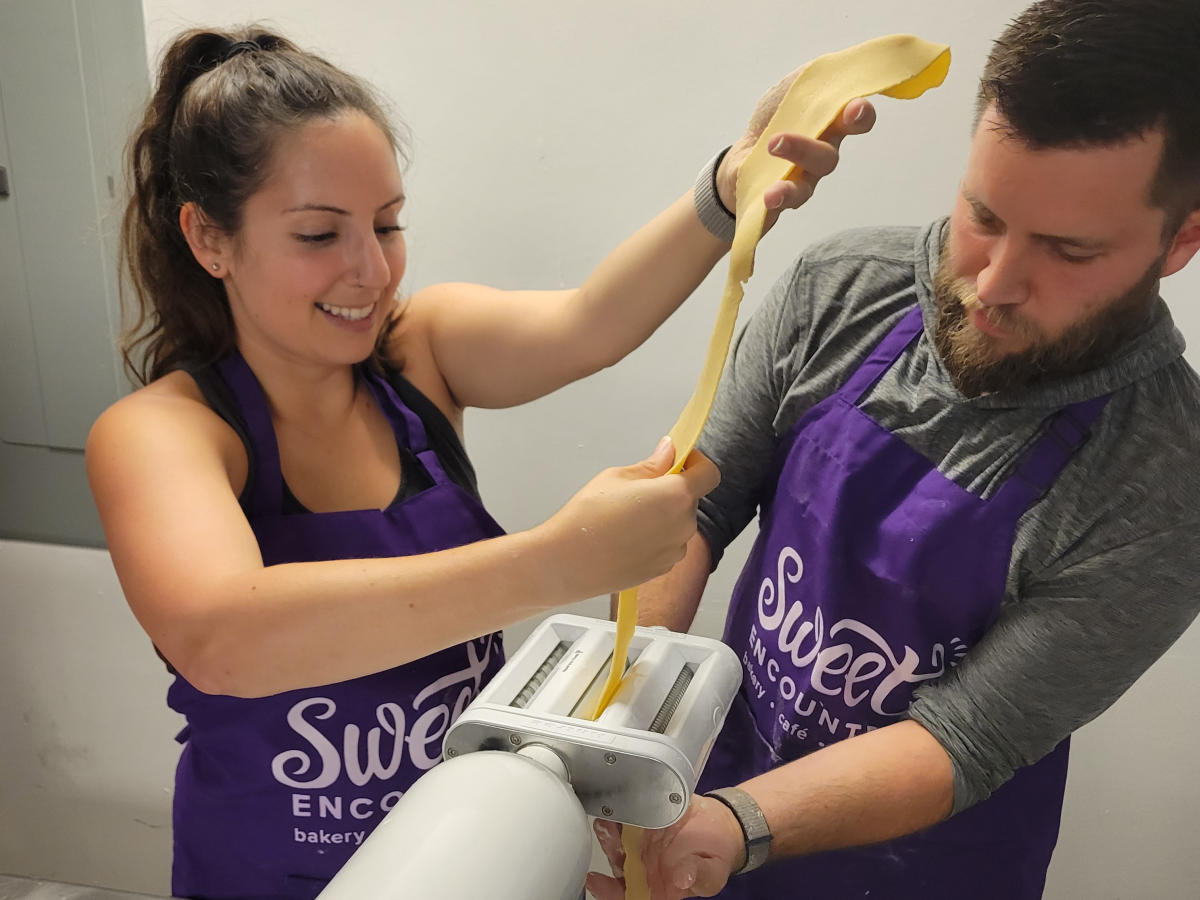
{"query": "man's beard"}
{"type": "Point", "coordinates": [975, 365]}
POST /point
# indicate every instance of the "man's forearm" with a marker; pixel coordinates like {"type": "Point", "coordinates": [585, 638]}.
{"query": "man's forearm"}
{"type": "Point", "coordinates": [869, 788]}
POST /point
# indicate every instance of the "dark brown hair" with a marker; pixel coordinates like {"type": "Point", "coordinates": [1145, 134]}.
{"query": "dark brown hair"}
{"type": "Point", "coordinates": [221, 102]}
{"type": "Point", "coordinates": [1079, 73]}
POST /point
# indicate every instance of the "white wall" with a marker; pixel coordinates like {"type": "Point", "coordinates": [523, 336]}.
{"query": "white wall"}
{"type": "Point", "coordinates": [544, 132]}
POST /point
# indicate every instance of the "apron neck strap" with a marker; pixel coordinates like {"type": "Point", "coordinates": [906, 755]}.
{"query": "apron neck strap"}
{"type": "Point", "coordinates": [882, 358]}
{"type": "Point", "coordinates": [266, 474]}
{"type": "Point", "coordinates": [407, 425]}
{"type": "Point", "coordinates": [1066, 431]}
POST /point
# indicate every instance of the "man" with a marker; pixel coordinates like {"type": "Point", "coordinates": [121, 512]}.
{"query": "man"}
{"type": "Point", "coordinates": [973, 450]}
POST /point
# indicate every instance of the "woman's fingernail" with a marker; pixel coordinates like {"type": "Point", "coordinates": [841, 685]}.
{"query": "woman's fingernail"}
{"type": "Point", "coordinates": [775, 144]}
{"type": "Point", "coordinates": [685, 880]}
{"type": "Point", "coordinates": [861, 114]}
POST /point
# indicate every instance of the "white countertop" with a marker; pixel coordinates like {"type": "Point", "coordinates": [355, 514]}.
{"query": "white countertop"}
{"type": "Point", "coordinates": [13, 887]}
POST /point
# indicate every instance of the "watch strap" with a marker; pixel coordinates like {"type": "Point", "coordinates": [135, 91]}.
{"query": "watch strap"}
{"type": "Point", "coordinates": [755, 830]}
{"type": "Point", "coordinates": [719, 221]}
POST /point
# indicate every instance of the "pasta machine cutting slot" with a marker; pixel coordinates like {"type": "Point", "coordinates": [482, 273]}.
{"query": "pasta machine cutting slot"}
{"type": "Point", "coordinates": [525, 766]}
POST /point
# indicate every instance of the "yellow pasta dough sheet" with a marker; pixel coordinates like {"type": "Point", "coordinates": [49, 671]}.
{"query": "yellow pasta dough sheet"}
{"type": "Point", "coordinates": [898, 65]}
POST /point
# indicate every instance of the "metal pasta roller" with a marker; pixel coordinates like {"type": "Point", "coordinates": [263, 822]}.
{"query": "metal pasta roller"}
{"type": "Point", "coordinates": [506, 814]}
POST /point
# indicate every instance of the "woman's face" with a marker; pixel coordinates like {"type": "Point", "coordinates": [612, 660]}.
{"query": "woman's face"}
{"type": "Point", "coordinates": [314, 269]}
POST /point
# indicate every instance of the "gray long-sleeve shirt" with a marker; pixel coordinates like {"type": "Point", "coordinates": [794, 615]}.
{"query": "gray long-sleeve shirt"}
{"type": "Point", "coordinates": [1105, 568]}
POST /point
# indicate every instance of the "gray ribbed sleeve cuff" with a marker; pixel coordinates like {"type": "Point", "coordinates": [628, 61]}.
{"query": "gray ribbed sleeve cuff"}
{"type": "Point", "coordinates": [712, 212]}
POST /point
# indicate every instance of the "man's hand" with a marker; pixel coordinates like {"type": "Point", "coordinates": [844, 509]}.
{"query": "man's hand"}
{"type": "Point", "coordinates": [813, 158]}
{"type": "Point", "coordinates": [692, 858]}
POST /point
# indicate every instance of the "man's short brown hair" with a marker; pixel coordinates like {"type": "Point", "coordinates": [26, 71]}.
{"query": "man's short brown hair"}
{"type": "Point", "coordinates": [1079, 73]}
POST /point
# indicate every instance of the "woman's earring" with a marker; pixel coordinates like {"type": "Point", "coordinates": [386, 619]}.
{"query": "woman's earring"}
{"type": "Point", "coordinates": [216, 266]}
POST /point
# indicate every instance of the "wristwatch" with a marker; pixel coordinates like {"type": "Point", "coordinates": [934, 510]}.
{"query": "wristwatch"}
{"type": "Point", "coordinates": [754, 825]}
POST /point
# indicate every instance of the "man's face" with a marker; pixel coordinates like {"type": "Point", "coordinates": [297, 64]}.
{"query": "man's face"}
{"type": "Point", "coordinates": [1052, 260]}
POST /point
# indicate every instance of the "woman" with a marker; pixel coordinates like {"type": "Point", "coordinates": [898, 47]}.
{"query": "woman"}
{"type": "Point", "coordinates": [287, 501]}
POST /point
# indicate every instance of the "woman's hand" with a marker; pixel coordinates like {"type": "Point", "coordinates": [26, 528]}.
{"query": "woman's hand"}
{"type": "Point", "coordinates": [629, 524]}
{"type": "Point", "coordinates": [813, 158]}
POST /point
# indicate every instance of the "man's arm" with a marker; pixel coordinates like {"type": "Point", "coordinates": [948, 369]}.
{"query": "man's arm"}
{"type": "Point", "coordinates": [672, 599]}
{"type": "Point", "coordinates": [1065, 652]}
{"type": "Point", "coordinates": [1013, 697]}
{"type": "Point", "coordinates": [873, 787]}
{"type": "Point", "coordinates": [869, 788]}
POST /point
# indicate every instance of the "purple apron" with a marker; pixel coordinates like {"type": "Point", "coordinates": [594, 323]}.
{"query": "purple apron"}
{"type": "Point", "coordinates": [873, 574]}
{"type": "Point", "coordinates": [273, 795]}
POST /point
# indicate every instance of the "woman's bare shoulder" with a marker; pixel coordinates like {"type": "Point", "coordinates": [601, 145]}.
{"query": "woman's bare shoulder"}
{"type": "Point", "coordinates": [169, 415]}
